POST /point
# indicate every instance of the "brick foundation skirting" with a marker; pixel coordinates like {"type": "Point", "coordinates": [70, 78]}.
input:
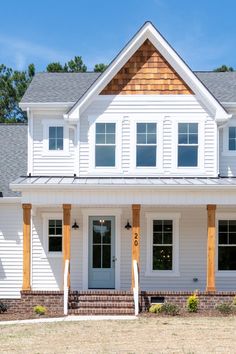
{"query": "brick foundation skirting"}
{"type": "Point", "coordinates": [207, 301]}
{"type": "Point", "coordinates": [52, 300]}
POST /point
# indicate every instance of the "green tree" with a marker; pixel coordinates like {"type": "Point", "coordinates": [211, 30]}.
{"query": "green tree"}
{"type": "Point", "coordinates": [76, 65]}
{"type": "Point", "coordinates": [224, 68]}
{"type": "Point", "coordinates": [55, 67]}
{"type": "Point", "coordinates": [99, 68]}
{"type": "Point", "coordinates": [13, 85]}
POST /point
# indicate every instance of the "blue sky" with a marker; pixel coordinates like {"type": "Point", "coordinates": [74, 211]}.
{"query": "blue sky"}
{"type": "Point", "coordinates": [41, 31]}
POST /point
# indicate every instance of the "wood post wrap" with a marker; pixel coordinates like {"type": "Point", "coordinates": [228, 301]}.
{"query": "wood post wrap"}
{"type": "Point", "coordinates": [211, 244]}
{"type": "Point", "coordinates": [66, 235]}
{"type": "Point", "coordinates": [135, 236]}
{"type": "Point", "coordinates": [26, 246]}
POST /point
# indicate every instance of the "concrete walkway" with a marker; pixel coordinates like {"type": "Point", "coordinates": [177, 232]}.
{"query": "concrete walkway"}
{"type": "Point", "coordinates": [69, 319]}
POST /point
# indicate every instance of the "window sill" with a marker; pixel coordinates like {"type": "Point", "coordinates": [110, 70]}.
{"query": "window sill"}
{"type": "Point", "coordinates": [226, 273]}
{"type": "Point", "coordinates": [163, 273]}
{"type": "Point", "coordinates": [52, 255]}
{"type": "Point", "coordinates": [57, 153]}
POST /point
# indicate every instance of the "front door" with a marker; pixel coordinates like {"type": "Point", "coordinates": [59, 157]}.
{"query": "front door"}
{"type": "Point", "coordinates": [101, 252]}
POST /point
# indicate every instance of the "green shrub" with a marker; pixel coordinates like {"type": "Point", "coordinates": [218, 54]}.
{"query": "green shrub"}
{"type": "Point", "coordinates": [234, 301]}
{"type": "Point", "coordinates": [3, 307]}
{"type": "Point", "coordinates": [40, 310]}
{"type": "Point", "coordinates": [225, 308]}
{"type": "Point", "coordinates": [192, 303]}
{"type": "Point", "coordinates": [155, 308]}
{"type": "Point", "coordinates": [170, 309]}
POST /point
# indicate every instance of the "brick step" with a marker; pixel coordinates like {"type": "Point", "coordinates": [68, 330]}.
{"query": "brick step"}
{"type": "Point", "coordinates": [100, 298]}
{"type": "Point", "coordinates": [95, 311]}
{"type": "Point", "coordinates": [100, 292]}
{"type": "Point", "coordinates": [103, 304]}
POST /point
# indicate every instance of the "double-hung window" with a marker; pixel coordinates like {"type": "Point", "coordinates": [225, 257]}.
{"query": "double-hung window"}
{"type": "Point", "coordinates": [105, 145]}
{"type": "Point", "coordinates": [187, 144]}
{"type": "Point", "coordinates": [162, 245]}
{"type": "Point", "coordinates": [55, 138]}
{"type": "Point", "coordinates": [227, 245]}
{"type": "Point", "coordinates": [232, 138]}
{"type": "Point", "coordinates": [146, 145]}
{"type": "Point", "coordinates": [54, 235]}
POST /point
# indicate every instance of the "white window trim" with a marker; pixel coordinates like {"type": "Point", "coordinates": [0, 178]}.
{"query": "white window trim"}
{"type": "Point", "coordinates": [100, 171]}
{"type": "Point", "coordinates": [46, 217]}
{"type": "Point", "coordinates": [226, 151]}
{"type": "Point", "coordinates": [163, 216]}
{"type": "Point", "coordinates": [223, 273]}
{"type": "Point", "coordinates": [55, 123]}
{"type": "Point", "coordinates": [199, 169]}
{"type": "Point", "coordinates": [152, 170]}
{"type": "Point", "coordinates": [101, 212]}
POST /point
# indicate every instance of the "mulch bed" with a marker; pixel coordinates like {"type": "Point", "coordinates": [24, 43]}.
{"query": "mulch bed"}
{"type": "Point", "coordinates": [26, 316]}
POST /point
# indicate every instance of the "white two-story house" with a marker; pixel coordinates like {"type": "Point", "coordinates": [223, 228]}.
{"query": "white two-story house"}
{"type": "Point", "coordinates": [129, 172]}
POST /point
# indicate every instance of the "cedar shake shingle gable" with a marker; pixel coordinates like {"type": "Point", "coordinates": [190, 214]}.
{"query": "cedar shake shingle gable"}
{"type": "Point", "coordinates": [147, 72]}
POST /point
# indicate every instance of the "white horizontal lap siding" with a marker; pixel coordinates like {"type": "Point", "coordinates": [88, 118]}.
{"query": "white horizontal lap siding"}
{"type": "Point", "coordinates": [76, 262]}
{"type": "Point", "coordinates": [47, 272]}
{"type": "Point", "coordinates": [169, 109]}
{"type": "Point", "coordinates": [10, 251]}
{"type": "Point", "coordinates": [51, 165]}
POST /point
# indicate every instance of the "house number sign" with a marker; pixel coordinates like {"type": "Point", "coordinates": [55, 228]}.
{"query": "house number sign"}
{"type": "Point", "coordinates": [136, 239]}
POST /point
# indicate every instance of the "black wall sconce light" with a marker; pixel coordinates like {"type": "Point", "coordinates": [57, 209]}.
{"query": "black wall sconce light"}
{"type": "Point", "coordinates": [128, 226]}
{"type": "Point", "coordinates": [75, 226]}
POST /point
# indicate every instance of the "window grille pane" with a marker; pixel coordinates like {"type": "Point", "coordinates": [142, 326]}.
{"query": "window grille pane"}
{"type": "Point", "coordinates": [97, 256]}
{"type": "Point", "coordinates": [227, 258]}
{"type": "Point", "coordinates": [110, 128]}
{"type": "Point", "coordinates": [162, 257]}
{"type": "Point", "coordinates": [187, 156]}
{"type": "Point", "coordinates": [232, 132]}
{"type": "Point", "coordinates": [141, 128]}
{"type": "Point", "coordinates": [52, 132]}
{"type": "Point", "coordinates": [146, 156]}
{"type": "Point", "coordinates": [105, 156]}
{"type": "Point", "coordinates": [60, 132]}
{"type": "Point", "coordinates": [55, 244]}
{"type": "Point", "coordinates": [232, 144]}
{"type": "Point", "coordinates": [100, 128]}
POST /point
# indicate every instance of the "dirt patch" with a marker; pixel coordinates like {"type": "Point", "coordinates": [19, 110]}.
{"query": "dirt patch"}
{"type": "Point", "coordinates": [145, 335]}
{"type": "Point", "coordinates": [25, 316]}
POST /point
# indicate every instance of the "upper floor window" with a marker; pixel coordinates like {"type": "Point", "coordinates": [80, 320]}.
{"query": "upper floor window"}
{"type": "Point", "coordinates": [227, 245]}
{"type": "Point", "coordinates": [105, 145]}
{"type": "Point", "coordinates": [146, 145]}
{"type": "Point", "coordinates": [55, 138]}
{"type": "Point", "coordinates": [187, 144]}
{"type": "Point", "coordinates": [232, 138]}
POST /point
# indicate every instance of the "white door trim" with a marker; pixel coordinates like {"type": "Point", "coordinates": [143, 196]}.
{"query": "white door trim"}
{"type": "Point", "coordinates": [101, 212]}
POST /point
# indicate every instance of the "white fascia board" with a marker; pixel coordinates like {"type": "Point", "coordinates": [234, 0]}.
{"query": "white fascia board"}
{"type": "Point", "coordinates": [148, 31]}
{"type": "Point", "coordinates": [45, 105]}
{"type": "Point", "coordinates": [10, 200]}
{"type": "Point", "coordinates": [60, 188]}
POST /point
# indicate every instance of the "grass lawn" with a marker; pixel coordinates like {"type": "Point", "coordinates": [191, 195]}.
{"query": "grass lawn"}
{"type": "Point", "coordinates": [145, 335]}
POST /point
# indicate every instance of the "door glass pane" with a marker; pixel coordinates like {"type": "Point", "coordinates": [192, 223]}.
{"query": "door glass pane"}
{"type": "Point", "coordinates": [106, 256]}
{"type": "Point", "coordinates": [101, 243]}
{"type": "Point", "coordinates": [55, 244]}
{"type": "Point", "coordinates": [96, 256]}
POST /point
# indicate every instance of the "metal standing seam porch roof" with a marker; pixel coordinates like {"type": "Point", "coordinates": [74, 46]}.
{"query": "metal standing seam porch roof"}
{"type": "Point", "coordinates": [70, 182]}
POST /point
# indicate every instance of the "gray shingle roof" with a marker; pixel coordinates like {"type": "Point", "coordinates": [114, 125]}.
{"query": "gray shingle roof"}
{"type": "Point", "coordinates": [58, 87]}
{"type": "Point", "coordinates": [13, 155]}
{"type": "Point", "coordinates": [221, 84]}
{"type": "Point", "coordinates": [69, 87]}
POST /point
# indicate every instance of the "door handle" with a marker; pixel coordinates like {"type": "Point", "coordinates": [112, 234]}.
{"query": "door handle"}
{"type": "Point", "coordinates": [114, 259]}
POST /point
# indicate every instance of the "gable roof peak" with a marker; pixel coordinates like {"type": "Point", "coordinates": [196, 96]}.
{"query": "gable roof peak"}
{"type": "Point", "coordinates": [148, 31]}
